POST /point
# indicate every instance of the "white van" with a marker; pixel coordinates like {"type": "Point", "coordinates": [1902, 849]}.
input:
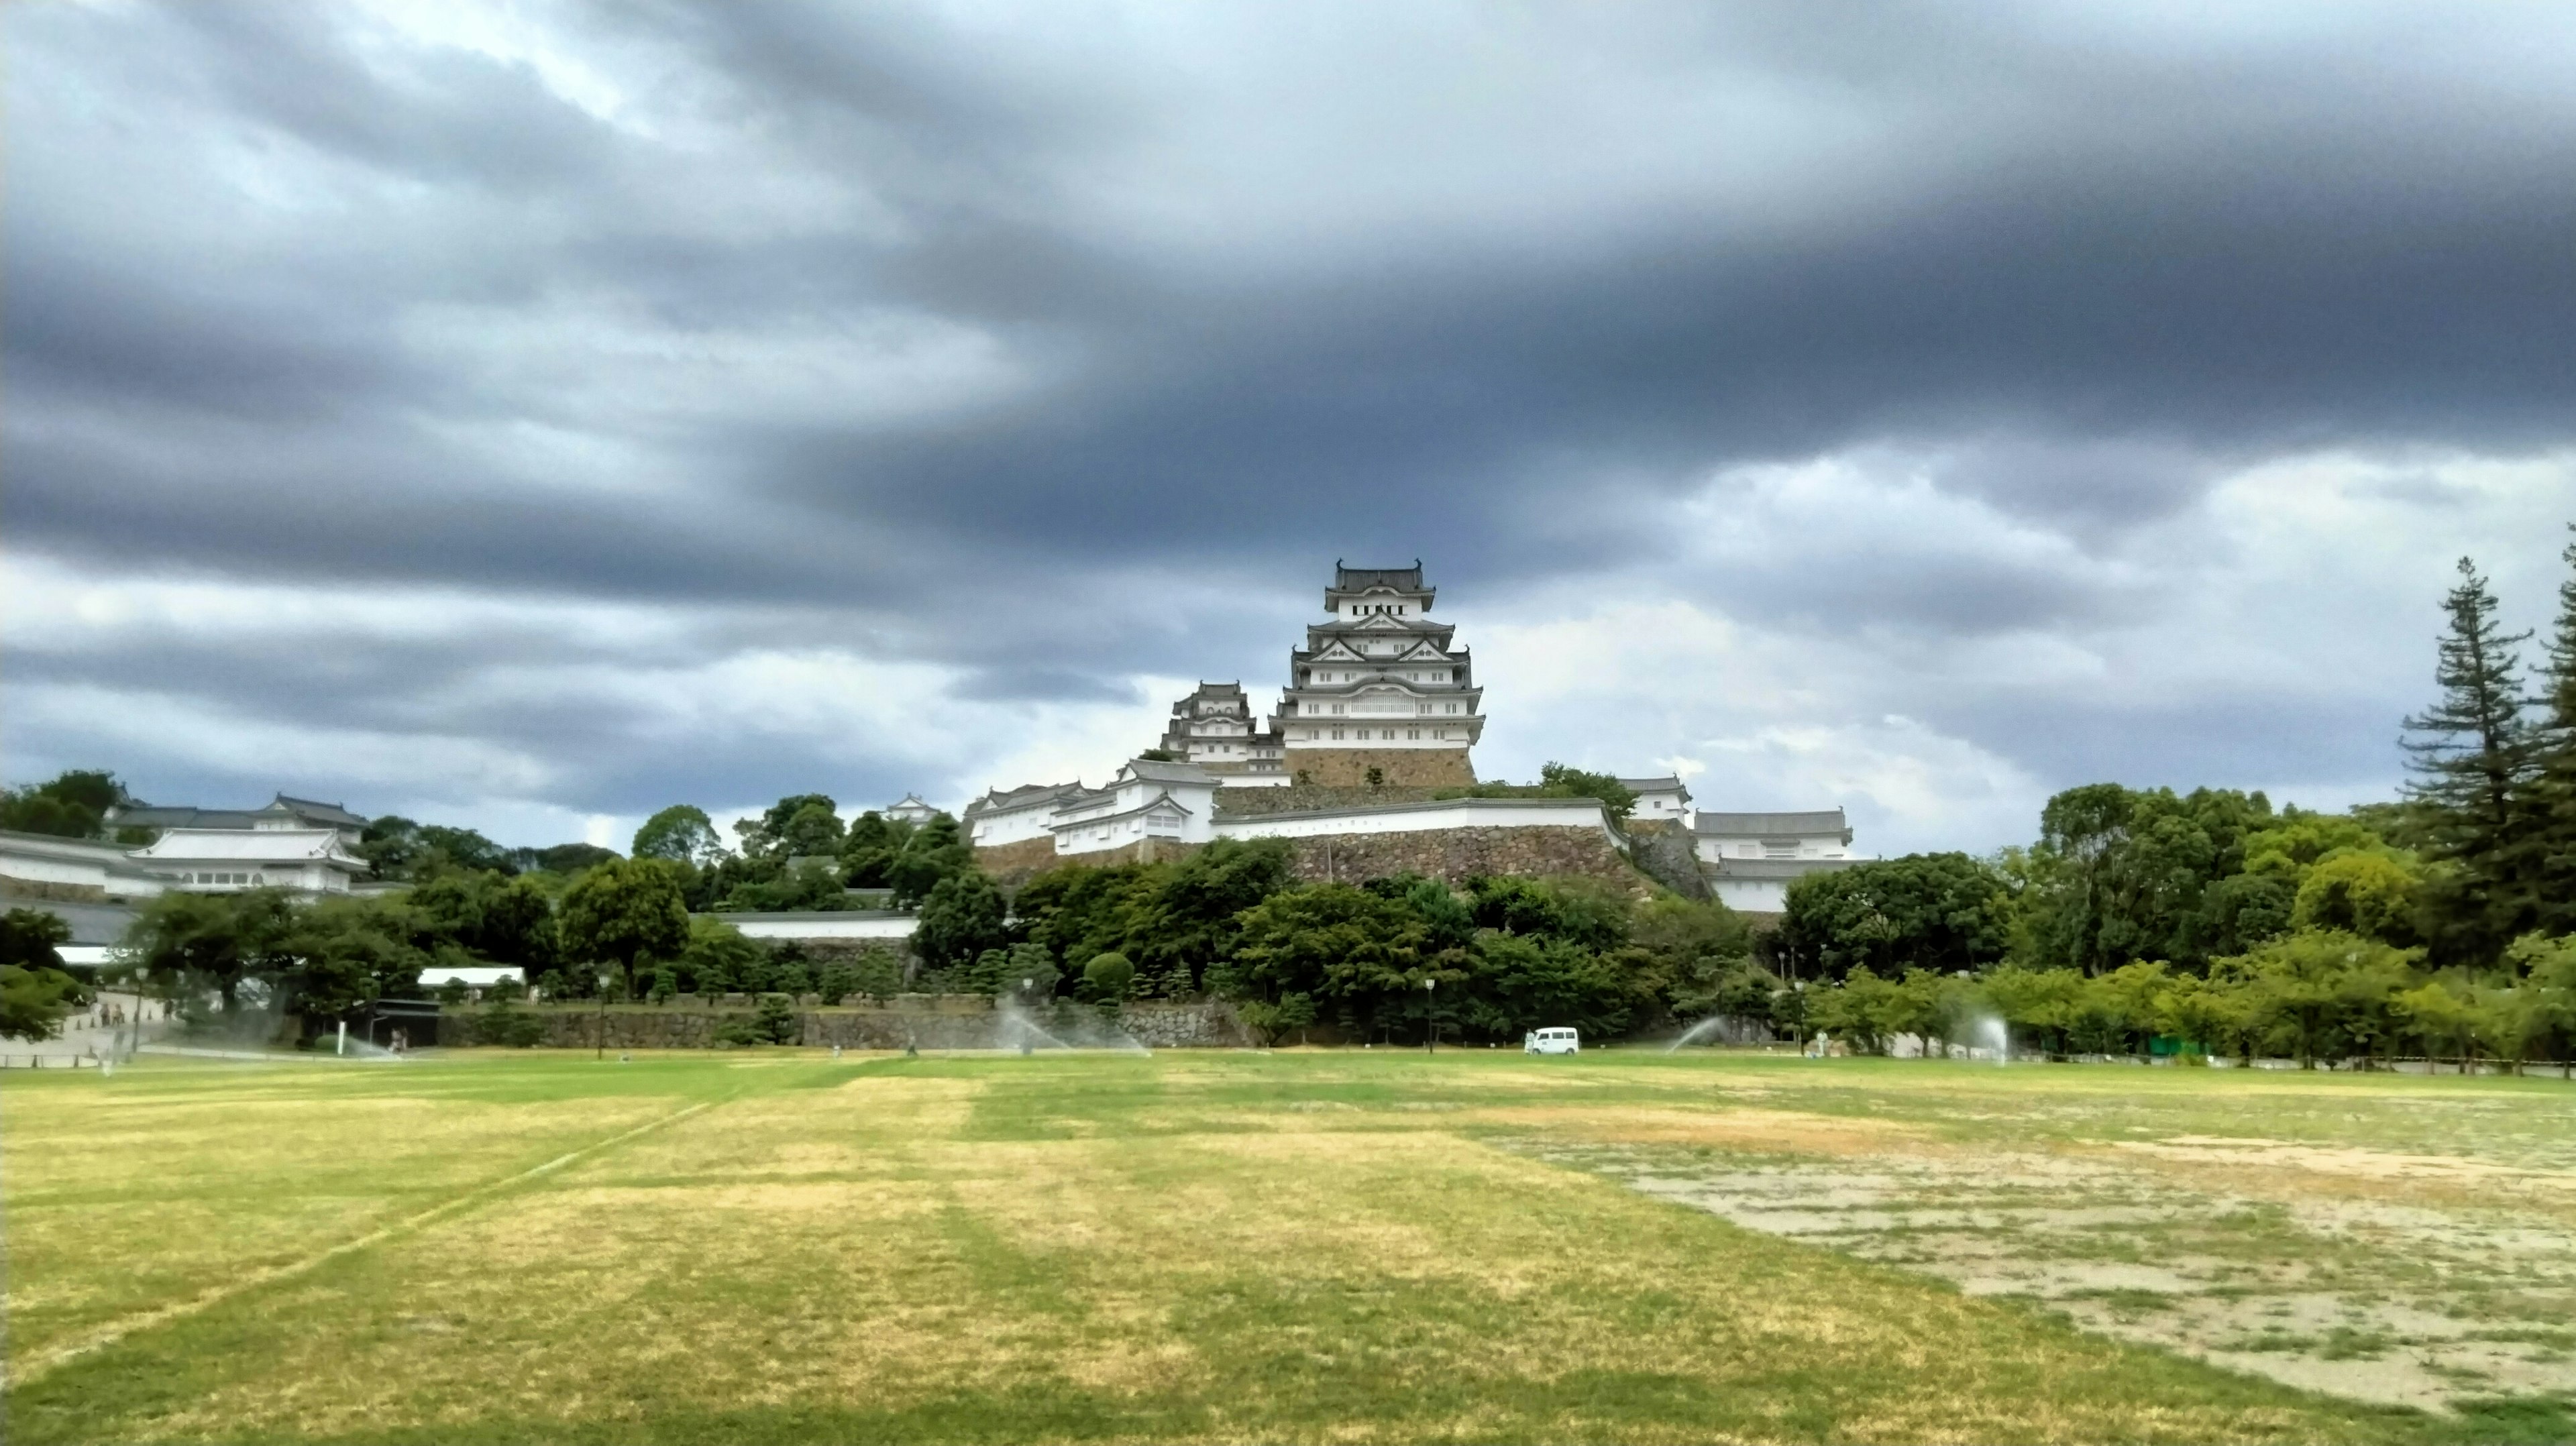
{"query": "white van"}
{"type": "Point", "coordinates": [1551, 1041]}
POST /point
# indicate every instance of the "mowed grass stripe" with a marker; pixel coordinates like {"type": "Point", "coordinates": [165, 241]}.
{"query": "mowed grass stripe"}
{"type": "Point", "coordinates": [24, 1370]}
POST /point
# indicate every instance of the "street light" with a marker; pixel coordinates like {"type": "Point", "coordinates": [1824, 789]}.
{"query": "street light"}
{"type": "Point", "coordinates": [1430, 1021]}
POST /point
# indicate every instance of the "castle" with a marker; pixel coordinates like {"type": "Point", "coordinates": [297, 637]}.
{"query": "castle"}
{"type": "Point", "coordinates": [1381, 709]}
{"type": "Point", "coordinates": [1379, 695]}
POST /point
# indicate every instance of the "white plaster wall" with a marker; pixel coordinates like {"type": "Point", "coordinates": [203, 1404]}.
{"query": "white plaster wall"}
{"type": "Point", "coordinates": [1572, 813]}
{"type": "Point", "coordinates": [1006, 826]}
{"type": "Point", "coordinates": [1760, 896]}
{"type": "Point", "coordinates": [857, 926]}
{"type": "Point", "coordinates": [38, 869]}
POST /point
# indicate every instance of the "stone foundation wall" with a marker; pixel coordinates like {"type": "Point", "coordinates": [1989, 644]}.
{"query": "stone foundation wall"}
{"type": "Point", "coordinates": [1398, 767]}
{"type": "Point", "coordinates": [947, 1021]}
{"type": "Point", "coordinates": [1455, 855]}
{"type": "Point", "coordinates": [1013, 864]}
{"type": "Point", "coordinates": [1142, 851]}
{"type": "Point", "coordinates": [1670, 857]}
{"type": "Point", "coordinates": [52, 891]}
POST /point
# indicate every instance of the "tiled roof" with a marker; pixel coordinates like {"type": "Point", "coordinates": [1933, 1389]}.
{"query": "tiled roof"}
{"type": "Point", "coordinates": [1152, 770]}
{"type": "Point", "coordinates": [272, 845]}
{"type": "Point", "coordinates": [1355, 579]}
{"type": "Point", "coordinates": [331, 813]}
{"type": "Point", "coordinates": [1758, 825]}
{"type": "Point", "coordinates": [1665, 784]}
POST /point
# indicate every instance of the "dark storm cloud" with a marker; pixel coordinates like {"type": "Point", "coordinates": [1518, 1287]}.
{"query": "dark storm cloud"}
{"type": "Point", "coordinates": [2081, 264]}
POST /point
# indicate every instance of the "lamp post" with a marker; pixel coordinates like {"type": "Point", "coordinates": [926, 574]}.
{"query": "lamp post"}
{"type": "Point", "coordinates": [1430, 1020]}
{"type": "Point", "coordinates": [600, 1039]}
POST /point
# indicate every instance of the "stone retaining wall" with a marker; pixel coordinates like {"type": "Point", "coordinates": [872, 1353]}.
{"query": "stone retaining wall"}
{"type": "Point", "coordinates": [950, 1021]}
{"type": "Point", "coordinates": [1455, 855]}
{"type": "Point", "coordinates": [1397, 767]}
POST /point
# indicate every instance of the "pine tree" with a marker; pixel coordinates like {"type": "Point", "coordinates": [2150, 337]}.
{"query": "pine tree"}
{"type": "Point", "coordinates": [2473, 762]}
{"type": "Point", "coordinates": [2552, 818]}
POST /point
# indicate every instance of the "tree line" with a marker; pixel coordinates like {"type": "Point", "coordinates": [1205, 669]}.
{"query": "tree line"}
{"type": "Point", "coordinates": [2438, 923]}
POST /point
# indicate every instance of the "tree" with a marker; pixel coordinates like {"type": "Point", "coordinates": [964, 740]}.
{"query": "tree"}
{"type": "Point", "coordinates": [1564, 781]}
{"type": "Point", "coordinates": [2301, 987]}
{"type": "Point", "coordinates": [878, 974]}
{"type": "Point", "coordinates": [718, 959]}
{"type": "Point", "coordinates": [682, 834]}
{"type": "Point", "coordinates": [623, 913]}
{"type": "Point", "coordinates": [961, 919]}
{"type": "Point", "coordinates": [342, 952]}
{"type": "Point", "coordinates": [2552, 807]}
{"type": "Point", "coordinates": [2472, 759]}
{"type": "Point", "coordinates": [1107, 978]}
{"type": "Point", "coordinates": [216, 941]}
{"type": "Point", "coordinates": [931, 853]}
{"type": "Point", "coordinates": [2370, 894]}
{"type": "Point", "coordinates": [1943, 912]}
{"type": "Point", "coordinates": [569, 858]}
{"type": "Point", "coordinates": [1188, 920]}
{"type": "Point", "coordinates": [34, 1001]}
{"type": "Point", "coordinates": [775, 833]}
{"type": "Point", "coordinates": [33, 939]}
{"type": "Point", "coordinates": [74, 804]}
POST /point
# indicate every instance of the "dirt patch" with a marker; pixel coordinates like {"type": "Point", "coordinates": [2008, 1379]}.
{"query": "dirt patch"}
{"type": "Point", "coordinates": [2396, 1304]}
{"type": "Point", "coordinates": [1767, 1131]}
{"type": "Point", "coordinates": [2369, 1164]}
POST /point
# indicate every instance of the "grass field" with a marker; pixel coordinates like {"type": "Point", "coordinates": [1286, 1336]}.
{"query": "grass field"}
{"type": "Point", "coordinates": [1344, 1245]}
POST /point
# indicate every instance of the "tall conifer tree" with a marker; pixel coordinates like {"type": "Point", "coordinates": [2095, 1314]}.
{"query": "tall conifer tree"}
{"type": "Point", "coordinates": [2473, 758]}
{"type": "Point", "coordinates": [2553, 793]}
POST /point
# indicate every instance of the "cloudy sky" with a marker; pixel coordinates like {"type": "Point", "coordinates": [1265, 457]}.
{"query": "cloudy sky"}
{"type": "Point", "coordinates": [526, 416]}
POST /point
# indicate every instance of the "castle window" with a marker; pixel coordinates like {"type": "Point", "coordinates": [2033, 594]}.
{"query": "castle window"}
{"type": "Point", "coordinates": [1413, 733]}
{"type": "Point", "coordinates": [1337, 735]}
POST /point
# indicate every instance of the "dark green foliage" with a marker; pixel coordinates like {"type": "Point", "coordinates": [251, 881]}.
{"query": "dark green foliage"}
{"type": "Point", "coordinates": [33, 1001]}
{"type": "Point", "coordinates": [682, 834]}
{"type": "Point", "coordinates": [796, 819]}
{"type": "Point", "coordinates": [567, 859]}
{"type": "Point", "coordinates": [1933, 911]}
{"type": "Point", "coordinates": [1557, 780]}
{"type": "Point", "coordinates": [2550, 810]}
{"type": "Point", "coordinates": [775, 1022]}
{"type": "Point", "coordinates": [621, 914]}
{"type": "Point", "coordinates": [73, 804]}
{"type": "Point", "coordinates": [811, 884]}
{"type": "Point", "coordinates": [400, 849]}
{"type": "Point", "coordinates": [342, 952]}
{"type": "Point", "coordinates": [31, 939]}
{"type": "Point", "coordinates": [869, 849]}
{"type": "Point", "coordinates": [717, 959]}
{"type": "Point", "coordinates": [878, 974]}
{"type": "Point", "coordinates": [2125, 874]}
{"type": "Point", "coordinates": [215, 941]}
{"type": "Point", "coordinates": [501, 1024]}
{"type": "Point", "coordinates": [934, 852]}
{"type": "Point", "coordinates": [2474, 761]}
{"type": "Point", "coordinates": [960, 919]}
{"type": "Point", "coordinates": [1107, 978]}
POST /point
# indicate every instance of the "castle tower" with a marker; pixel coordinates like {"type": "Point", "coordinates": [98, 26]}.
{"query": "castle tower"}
{"type": "Point", "coordinates": [1213, 728]}
{"type": "Point", "coordinates": [1379, 686]}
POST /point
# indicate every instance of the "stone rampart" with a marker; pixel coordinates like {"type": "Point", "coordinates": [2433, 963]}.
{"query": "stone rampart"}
{"type": "Point", "coordinates": [1397, 767]}
{"type": "Point", "coordinates": [1019, 861]}
{"type": "Point", "coordinates": [1455, 855]}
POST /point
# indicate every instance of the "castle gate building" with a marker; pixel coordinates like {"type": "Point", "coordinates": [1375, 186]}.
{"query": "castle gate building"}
{"type": "Point", "coordinates": [1380, 693]}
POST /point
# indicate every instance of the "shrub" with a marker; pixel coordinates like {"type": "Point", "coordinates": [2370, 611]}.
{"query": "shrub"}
{"type": "Point", "coordinates": [1107, 978]}
{"type": "Point", "coordinates": [501, 1024]}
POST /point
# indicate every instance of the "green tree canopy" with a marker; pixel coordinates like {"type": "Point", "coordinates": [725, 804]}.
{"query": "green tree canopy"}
{"type": "Point", "coordinates": [73, 804]}
{"type": "Point", "coordinates": [681, 834]}
{"type": "Point", "coordinates": [960, 920]}
{"type": "Point", "coordinates": [623, 913]}
{"type": "Point", "coordinates": [1929, 911]}
{"type": "Point", "coordinates": [2472, 758]}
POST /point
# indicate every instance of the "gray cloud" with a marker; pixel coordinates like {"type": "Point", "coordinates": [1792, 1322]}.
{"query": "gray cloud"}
{"type": "Point", "coordinates": [955, 340]}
